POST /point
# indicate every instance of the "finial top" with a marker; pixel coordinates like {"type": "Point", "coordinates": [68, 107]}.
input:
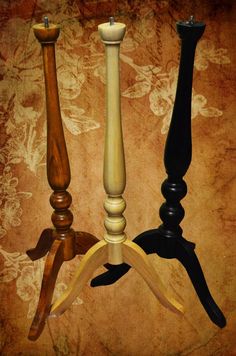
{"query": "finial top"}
{"type": "Point", "coordinates": [191, 22]}
{"type": "Point", "coordinates": [112, 32]}
{"type": "Point", "coordinates": [190, 29]}
{"type": "Point", "coordinates": [45, 33]}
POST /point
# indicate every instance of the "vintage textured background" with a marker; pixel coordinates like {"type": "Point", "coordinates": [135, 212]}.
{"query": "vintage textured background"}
{"type": "Point", "coordinates": [123, 319]}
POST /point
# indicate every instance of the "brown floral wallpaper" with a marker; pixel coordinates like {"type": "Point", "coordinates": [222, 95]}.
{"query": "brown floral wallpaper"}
{"type": "Point", "coordinates": [123, 319]}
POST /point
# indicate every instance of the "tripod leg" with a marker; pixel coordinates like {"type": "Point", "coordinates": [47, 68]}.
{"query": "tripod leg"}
{"type": "Point", "coordinates": [186, 255]}
{"type": "Point", "coordinates": [184, 252]}
{"type": "Point", "coordinates": [111, 276]}
{"type": "Point", "coordinates": [84, 241]}
{"type": "Point", "coordinates": [94, 258]}
{"type": "Point", "coordinates": [138, 259]}
{"type": "Point", "coordinates": [147, 241]}
{"type": "Point", "coordinates": [52, 265]}
{"type": "Point", "coordinates": [43, 246]}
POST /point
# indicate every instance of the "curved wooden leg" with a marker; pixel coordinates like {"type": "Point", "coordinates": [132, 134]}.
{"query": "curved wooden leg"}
{"type": "Point", "coordinates": [145, 240]}
{"type": "Point", "coordinates": [186, 255]}
{"type": "Point", "coordinates": [55, 258]}
{"type": "Point", "coordinates": [94, 258]}
{"type": "Point", "coordinates": [138, 259]}
{"type": "Point", "coordinates": [84, 241]}
{"type": "Point", "coordinates": [52, 265]}
{"type": "Point", "coordinates": [152, 242]}
{"type": "Point", "coordinates": [43, 246]}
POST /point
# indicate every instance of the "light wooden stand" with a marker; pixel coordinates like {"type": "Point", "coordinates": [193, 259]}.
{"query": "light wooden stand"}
{"type": "Point", "coordinates": [115, 248]}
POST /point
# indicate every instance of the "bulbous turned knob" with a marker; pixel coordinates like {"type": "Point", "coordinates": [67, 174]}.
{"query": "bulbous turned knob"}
{"type": "Point", "coordinates": [45, 32]}
{"type": "Point", "coordinates": [62, 217]}
{"type": "Point", "coordinates": [62, 220]}
{"type": "Point", "coordinates": [171, 215]}
{"type": "Point", "coordinates": [60, 200]}
{"type": "Point", "coordinates": [174, 191]}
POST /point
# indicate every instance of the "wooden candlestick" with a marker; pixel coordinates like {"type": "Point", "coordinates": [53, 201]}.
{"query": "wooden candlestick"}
{"type": "Point", "coordinates": [115, 248]}
{"type": "Point", "coordinates": [167, 241]}
{"type": "Point", "coordinates": [61, 243]}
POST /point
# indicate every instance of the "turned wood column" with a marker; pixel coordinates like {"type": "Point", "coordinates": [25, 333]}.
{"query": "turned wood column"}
{"type": "Point", "coordinates": [178, 148]}
{"type": "Point", "coordinates": [58, 169]}
{"type": "Point", "coordinates": [114, 175]}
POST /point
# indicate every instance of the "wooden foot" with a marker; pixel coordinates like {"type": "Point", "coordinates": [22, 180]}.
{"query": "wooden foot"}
{"type": "Point", "coordinates": [55, 258]}
{"type": "Point", "coordinates": [43, 246]}
{"type": "Point", "coordinates": [186, 255]}
{"type": "Point", "coordinates": [137, 258]}
{"type": "Point", "coordinates": [53, 263]}
{"type": "Point", "coordinates": [96, 257]}
{"type": "Point", "coordinates": [152, 241]}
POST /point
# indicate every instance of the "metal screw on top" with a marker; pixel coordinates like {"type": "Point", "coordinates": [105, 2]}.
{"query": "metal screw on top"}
{"type": "Point", "coordinates": [112, 20]}
{"type": "Point", "coordinates": [46, 22]}
{"type": "Point", "coordinates": [191, 20]}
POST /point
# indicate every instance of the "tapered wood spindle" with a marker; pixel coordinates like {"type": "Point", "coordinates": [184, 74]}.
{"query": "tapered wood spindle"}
{"type": "Point", "coordinates": [114, 176]}
{"type": "Point", "coordinates": [61, 243]}
{"type": "Point", "coordinates": [58, 169]}
{"type": "Point", "coordinates": [178, 149]}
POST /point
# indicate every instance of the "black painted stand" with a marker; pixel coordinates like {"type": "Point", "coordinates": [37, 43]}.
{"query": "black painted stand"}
{"type": "Point", "coordinates": [167, 241]}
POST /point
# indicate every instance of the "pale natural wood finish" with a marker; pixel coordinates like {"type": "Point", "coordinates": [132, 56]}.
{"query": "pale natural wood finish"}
{"type": "Point", "coordinates": [114, 249]}
{"type": "Point", "coordinates": [97, 256]}
{"type": "Point", "coordinates": [137, 258]}
{"type": "Point", "coordinates": [114, 175]}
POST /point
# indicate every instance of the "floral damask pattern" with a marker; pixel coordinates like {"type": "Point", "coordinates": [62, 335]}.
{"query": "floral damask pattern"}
{"type": "Point", "coordinates": [28, 276]}
{"type": "Point", "coordinates": [23, 106]}
{"type": "Point", "coordinates": [10, 201]}
{"type": "Point", "coordinates": [22, 62]}
{"type": "Point", "coordinates": [207, 52]}
{"type": "Point", "coordinates": [80, 64]}
{"type": "Point", "coordinates": [161, 87]}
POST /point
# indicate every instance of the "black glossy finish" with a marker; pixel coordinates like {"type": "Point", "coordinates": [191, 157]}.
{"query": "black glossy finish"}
{"type": "Point", "coordinates": [167, 241]}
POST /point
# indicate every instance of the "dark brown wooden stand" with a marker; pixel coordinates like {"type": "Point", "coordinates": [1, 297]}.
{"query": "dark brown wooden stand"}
{"type": "Point", "coordinates": [167, 240]}
{"type": "Point", "coordinates": [60, 243]}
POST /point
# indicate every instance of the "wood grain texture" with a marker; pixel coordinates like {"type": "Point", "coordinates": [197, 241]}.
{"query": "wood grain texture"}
{"type": "Point", "coordinates": [61, 243]}
{"type": "Point", "coordinates": [94, 258]}
{"type": "Point", "coordinates": [53, 263]}
{"type": "Point", "coordinates": [98, 256]}
{"type": "Point", "coordinates": [149, 64]}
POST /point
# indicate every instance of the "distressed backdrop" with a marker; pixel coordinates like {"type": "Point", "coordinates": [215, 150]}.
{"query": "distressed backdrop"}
{"type": "Point", "coordinates": [123, 319]}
